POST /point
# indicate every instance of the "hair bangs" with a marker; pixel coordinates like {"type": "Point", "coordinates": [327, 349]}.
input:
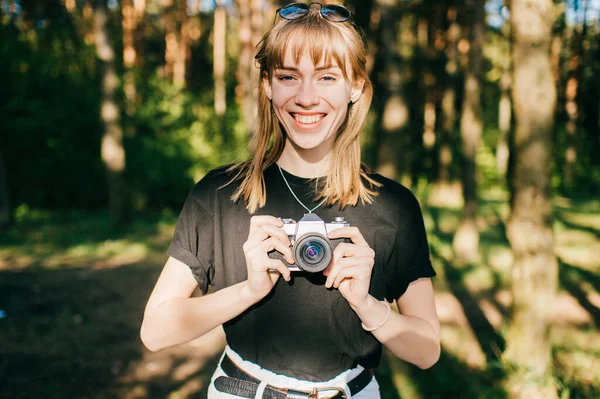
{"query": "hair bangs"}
{"type": "Point", "coordinates": [312, 36]}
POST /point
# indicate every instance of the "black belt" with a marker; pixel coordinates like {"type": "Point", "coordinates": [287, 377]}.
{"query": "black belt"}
{"type": "Point", "coordinates": [242, 384]}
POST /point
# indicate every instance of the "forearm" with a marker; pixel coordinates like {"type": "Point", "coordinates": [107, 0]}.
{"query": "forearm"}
{"type": "Point", "coordinates": [180, 320]}
{"type": "Point", "coordinates": [409, 338]}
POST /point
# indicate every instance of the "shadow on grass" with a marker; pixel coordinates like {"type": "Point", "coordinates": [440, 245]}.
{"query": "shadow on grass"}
{"type": "Point", "coordinates": [492, 344]}
{"type": "Point", "coordinates": [571, 278]}
{"type": "Point", "coordinates": [70, 333]}
{"type": "Point", "coordinates": [84, 236]}
{"type": "Point", "coordinates": [194, 385]}
{"type": "Point", "coordinates": [451, 378]}
{"type": "Point", "coordinates": [576, 226]}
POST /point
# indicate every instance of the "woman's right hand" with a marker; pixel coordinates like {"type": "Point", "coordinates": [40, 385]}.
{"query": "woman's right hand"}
{"type": "Point", "coordinates": [263, 272]}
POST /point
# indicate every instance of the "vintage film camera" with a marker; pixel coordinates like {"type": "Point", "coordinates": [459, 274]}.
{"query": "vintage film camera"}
{"type": "Point", "coordinates": [312, 249]}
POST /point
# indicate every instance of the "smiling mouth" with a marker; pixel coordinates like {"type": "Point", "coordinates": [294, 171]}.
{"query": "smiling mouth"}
{"type": "Point", "coordinates": [308, 119]}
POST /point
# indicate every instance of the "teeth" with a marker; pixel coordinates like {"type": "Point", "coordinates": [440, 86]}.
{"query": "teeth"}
{"type": "Point", "coordinates": [308, 118]}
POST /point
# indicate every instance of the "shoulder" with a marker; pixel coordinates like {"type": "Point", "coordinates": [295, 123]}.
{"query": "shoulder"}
{"type": "Point", "coordinates": [394, 197]}
{"type": "Point", "coordinates": [213, 183]}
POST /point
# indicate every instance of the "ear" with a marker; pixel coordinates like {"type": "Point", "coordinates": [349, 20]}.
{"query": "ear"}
{"type": "Point", "coordinates": [267, 86]}
{"type": "Point", "coordinates": [357, 91]}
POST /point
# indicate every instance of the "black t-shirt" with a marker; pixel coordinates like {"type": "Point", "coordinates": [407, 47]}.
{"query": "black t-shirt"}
{"type": "Point", "coordinates": [301, 329]}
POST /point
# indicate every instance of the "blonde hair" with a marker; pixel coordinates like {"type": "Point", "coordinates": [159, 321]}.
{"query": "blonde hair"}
{"type": "Point", "coordinates": [347, 179]}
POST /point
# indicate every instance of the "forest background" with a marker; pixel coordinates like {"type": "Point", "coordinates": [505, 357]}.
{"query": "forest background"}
{"type": "Point", "coordinates": [111, 110]}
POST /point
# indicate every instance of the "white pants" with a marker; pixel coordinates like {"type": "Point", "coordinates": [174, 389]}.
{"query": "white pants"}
{"type": "Point", "coordinates": [371, 391]}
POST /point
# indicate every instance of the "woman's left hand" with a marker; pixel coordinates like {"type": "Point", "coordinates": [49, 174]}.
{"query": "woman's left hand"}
{"type": "Point", "coordinates": [351, 266]}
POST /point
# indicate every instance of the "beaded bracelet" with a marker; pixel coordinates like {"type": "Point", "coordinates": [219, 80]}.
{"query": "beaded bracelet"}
{"type": "Point", "coordinates": [385, 319]}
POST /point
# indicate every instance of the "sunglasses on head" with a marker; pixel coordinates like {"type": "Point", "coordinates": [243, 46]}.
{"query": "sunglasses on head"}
{"type": "Point", "coordinates": [330, 12]}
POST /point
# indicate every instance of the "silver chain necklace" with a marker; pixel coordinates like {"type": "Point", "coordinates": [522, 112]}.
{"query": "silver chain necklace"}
{"type": "Point", "coordinates": [292, 191]}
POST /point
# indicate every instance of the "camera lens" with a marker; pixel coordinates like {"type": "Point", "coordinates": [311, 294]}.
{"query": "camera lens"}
{"type": "Point", "coordinates": [312, 252]}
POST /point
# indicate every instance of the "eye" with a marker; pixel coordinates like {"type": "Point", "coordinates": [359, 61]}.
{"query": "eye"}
{"type": "Point", "coordinates": [329, 78]}
{"type": "Point", "coordinates": [285, 78]}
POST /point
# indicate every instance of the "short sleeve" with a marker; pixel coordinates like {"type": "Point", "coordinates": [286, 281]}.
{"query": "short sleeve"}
{"type": "Point", "coordinates": [409, 259]}
{"type": "Point", "coordinates": [192, 241]}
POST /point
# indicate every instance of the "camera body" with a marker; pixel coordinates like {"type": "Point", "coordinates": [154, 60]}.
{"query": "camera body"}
{"type": "Point", "coordinates": [312, 249]}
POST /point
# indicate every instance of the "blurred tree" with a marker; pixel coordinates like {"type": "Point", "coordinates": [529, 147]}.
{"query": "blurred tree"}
{"type": "Point", "coordinates": [445, 191]}
{"type": "Point", "coordinates": [249, 33]}
{"type": "Point", "coordinates": [139, 37]}
{"type": "Point", "coordinates": [129, 24]}
{"type": "Point", "coordinates": [429, 44]}
{"type": "Point", "coordinates": [183, 45]}
{"type": "Point", "coordinates": [112, 151]}
{"type": "Point", "coordinates": [5, 207]}
{"type": "Point", "coordinates": [572, 98]}
{"type": "Point", "coordinates": [169, 22]}
{"type": "Point", "coordinates": [393, 111]}
{"type": "Point", "coordinates": [529, 229]}
{"type": "Point", "coordinates": [219, 57]}
{"type": "Point", "coordinates": [366, 20]}
{"type": "Point", "coordinates": [466, 238]}
{"type": "Point", "coordinates": [504, 107]}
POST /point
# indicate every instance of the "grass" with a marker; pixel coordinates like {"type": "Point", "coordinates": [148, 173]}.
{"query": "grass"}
{"type": "Point", "coordinates": [73, 290]}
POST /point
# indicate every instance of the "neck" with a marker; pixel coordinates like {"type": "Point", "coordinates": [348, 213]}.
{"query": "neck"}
{"type": "Point", "coordinates": [304, 163]}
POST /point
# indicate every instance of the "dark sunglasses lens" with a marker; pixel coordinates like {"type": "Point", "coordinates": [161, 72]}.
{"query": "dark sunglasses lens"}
{"type": "Point", "coordinates": [293, 11]}
{"type": "Point", "coordinates": [335, 13]}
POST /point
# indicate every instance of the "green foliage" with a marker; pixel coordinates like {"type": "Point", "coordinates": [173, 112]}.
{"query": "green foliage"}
{"type": "Point", "coordinates": [177, 138]}
{"type": "Point", "coordinates": [49, 111]}
{"type": "Point", "coordinates": [52, 129]}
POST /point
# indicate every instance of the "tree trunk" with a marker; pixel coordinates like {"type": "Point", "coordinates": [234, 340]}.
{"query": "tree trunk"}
{"type": "Point", "coordinates": [129, 24]}
{"type": "Point", "coordinates": [504, 106]}
{"type": "Point", "coordinates": [504, 119]}
{"type": "Point", "coordinates": [89, 36]}
{"type": "Point", "coordinates": [112, 151]}
{"type": "Point", "coordinates": [5, 207]}
{"type": "Point", "coordinates": [365, 18]}
{"type": "Point", "coordinates": [170, 26]}
{"type": "Point", "coordinates": [466, 239]}
{"type": "Point", "coordinates": [70, 5]}
{"type": "Point", "coordinates": [219, 59]}
{"type": "Point", "coordinates": [247, 74]}
{"type": "Point", "coordinates": [571, 105]}
{"type": "Point", "coordinates": [139, 38]}
{"type": "Point", "coordinates": [394, 112]}
{"type": "Point", "coordinates": [529, 230]}
{"type": "Point", "coordinates": [183, 45]}
{"type": "Point", "coordinates": [445, 192]}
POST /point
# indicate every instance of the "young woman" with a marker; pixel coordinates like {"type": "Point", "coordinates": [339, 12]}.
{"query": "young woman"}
{"type": "Point", "coordinates": [316, 333]}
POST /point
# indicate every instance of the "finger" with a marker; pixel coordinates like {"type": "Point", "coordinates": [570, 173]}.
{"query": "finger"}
{"type": "Point", "coordinates": [344, 250]}
{"type": "Point", "coordinates": [335, 267]}
{"type": "Point", "coordinates": [351, 232]}
{"type": "Point", "coordinates": [274, 275]}
{"type": "Point", "coordinates": [273, 243]}
{"type": "Point", "coordinates": [260, 220]}
{"type": "Point", "coordinates": [264, 232]}
{"type": "Point", "coordinates": [365, 262]}
{"type": "Point", "coordinates": [277, 232]}
{"type": "Point", "coordinates": [357, 272]}
{"type": "Point", "coordinates": [277, 266]}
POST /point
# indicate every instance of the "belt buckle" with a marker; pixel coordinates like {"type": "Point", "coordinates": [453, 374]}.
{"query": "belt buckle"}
{"type": "Point", "coordinates": [315, 392]}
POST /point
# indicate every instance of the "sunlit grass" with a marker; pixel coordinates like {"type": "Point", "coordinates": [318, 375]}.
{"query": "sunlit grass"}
{"type": "Point", "coordinates": [82, 240]}
{"type": "Point", "coordinates": [577, 243]}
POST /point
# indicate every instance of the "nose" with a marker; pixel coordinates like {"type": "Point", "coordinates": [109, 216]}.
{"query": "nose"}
{"type": "Point", "coordinates": [307, 94]}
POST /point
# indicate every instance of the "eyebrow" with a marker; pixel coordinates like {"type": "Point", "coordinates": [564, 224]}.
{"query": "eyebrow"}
{"type": "Point", "coordinates": [321, 68]}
